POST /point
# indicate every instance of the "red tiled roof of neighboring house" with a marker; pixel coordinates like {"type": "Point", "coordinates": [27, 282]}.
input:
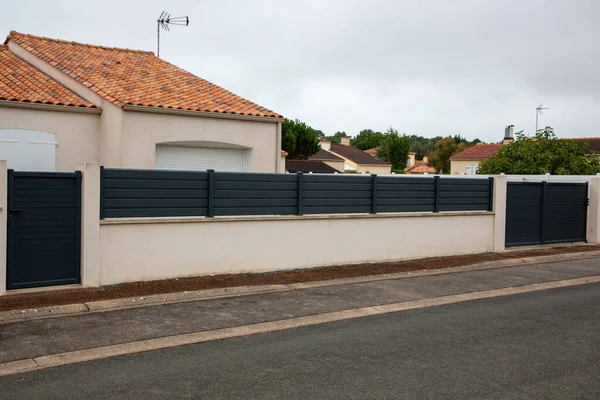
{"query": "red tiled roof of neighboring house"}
{"type": "Point", "coordinates": [284, 153]}
{"type": "Point", "coordinates": [135, 77]}
{"type": "Point", "coordinates": [593, 142]}
{"type": "Point", "coordinates": [21, 82]}
{"type": "Point", "coordinates": [356, 155]}
{"type": "Point", "coordinates": [318, 167]}
{"type": "Point", "coordinates": [479, 151]}
{"type": "Point", "coordinates": [325, 156]}
{"type": "Point", "coordinates": [420, 167]}
{"type": "Point", "coordinates": [372, 152]}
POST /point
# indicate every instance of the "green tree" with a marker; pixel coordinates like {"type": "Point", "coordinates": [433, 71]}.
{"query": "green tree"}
{"type": "Point", "coordinates": [545, 153]}
{"type": "Point", "coordinates": [394, 149]}
{"type": "Point", "coordinates": [336, 137]}
{"type": "Point", "coordinates": [367, 139]}
{"type": "Point", "coordinates": [299, 139]}
{"type": "Point", "coordinates": [422, 145]}
{"type": "Point", "coordinates": [444, 149]}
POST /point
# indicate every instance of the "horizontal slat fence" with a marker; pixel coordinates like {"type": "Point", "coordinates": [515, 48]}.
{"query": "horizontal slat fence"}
{"type": "Point", "coordinates": [157, 193]}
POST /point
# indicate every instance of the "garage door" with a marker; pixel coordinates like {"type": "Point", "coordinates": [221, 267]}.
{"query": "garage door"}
{"type": "Point", "coordinates": [200, 158]}
{"type": "Point", "coordinates": [27, 150]}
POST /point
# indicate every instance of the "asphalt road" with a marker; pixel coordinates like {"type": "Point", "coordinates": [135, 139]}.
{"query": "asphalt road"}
{"type": "Point", "coordinates": [541, 345]}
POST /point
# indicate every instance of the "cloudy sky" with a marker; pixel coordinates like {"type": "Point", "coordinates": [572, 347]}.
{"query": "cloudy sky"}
{"type": "Point", "coordinates": [429, 67]}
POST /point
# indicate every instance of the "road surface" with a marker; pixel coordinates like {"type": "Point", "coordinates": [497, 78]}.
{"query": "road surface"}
{"type": "Point", "coordinates": [535, 345]}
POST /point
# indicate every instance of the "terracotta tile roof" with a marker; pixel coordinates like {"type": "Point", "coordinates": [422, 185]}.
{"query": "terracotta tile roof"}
{"type": "Point", "coordinates": [420, 167]}
{"type": "Point", "coordinates": [21, 82]}
{"type": "Point", "coordinates": [356, 155]}
{"type": "Point", "coordinates": [372, 152]}
{"type": "Point", "coordinates": [325, 155]}
{"type": "Point", "coordinates": [284, 153]}
{"type": "Point", "coordinates": [479, 151]}
{"type": "Point", "coordinates": [318, 167]}
{"type": "Point", "coordinates": [135, 77]}
{"type": "Point", "coordinates": [593, 142]}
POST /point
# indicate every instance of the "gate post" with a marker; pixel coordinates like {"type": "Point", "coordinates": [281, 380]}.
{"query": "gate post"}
{"type": "Point", "coordinates": [90, 224]}
{"type": "Point", "coordinates": [593, 218]}
{"type": "Point", "coordinates": [499, 212]}
{"type": "Point", "coordinates": [3, 223]}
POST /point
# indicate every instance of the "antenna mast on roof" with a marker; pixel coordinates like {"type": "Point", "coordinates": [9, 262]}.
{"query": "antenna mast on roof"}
{"type": "Point", "coordinates": [163, 22]}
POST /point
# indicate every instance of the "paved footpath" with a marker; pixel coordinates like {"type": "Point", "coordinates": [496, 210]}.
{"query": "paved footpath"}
{"type": "Point", "coordinates": [35, 338]}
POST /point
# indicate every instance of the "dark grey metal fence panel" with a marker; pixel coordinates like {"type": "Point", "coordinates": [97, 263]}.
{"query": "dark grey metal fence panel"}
{"type": "Point", "coordinates": [403, 194]}
{"type": "Point", "coordinates": [150, 193]}
{"type": "Point", "coordinates": [347, 194]}
{"type": "Point", "coordinates": [153, 193]}
{"type": "Point", "coordinates": [523, 214]}
{"type": "Point", "coordinates": [255, 194]}
{"type": "Point", "coordinates": [462, 194]}
{"type": "Point", "coordinates": [44, 229]}
{"type": "Point", "coordinates": [565, 212]}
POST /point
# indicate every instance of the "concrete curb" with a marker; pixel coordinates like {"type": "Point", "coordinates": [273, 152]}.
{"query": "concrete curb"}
{"type": "Point", "coordinates": [55, 360]}
{"type": "Point", "coordinates": [209, 294]}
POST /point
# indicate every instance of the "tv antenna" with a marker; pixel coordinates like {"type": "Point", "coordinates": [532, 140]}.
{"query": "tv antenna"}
{"type": "Point", "coordinates": [164, 21]}
{"type": "Point", "coordinates": [538, 112]}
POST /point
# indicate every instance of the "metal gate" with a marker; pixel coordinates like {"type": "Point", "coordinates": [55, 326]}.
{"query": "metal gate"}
{"type": "Point", "coordinates": [545, 212]}
{"type": "Point", "coordinates": [44, 229]}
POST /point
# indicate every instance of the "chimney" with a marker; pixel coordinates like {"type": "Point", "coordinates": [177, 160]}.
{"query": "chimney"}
{"type": "Point", "coordinates": [508, 134]}
{"type": "Point", "coordinates": [411, 158]}
{"type": "Point", "coordinates": [425, 159]}
{"type": "Point", "coordinates": [325, 144]}
{"type": "Point", "coordinates": [345, 141]}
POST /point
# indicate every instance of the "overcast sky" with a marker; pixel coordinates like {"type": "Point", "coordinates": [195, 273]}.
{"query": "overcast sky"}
{"type": "Point", "coordinates": [427, 67]}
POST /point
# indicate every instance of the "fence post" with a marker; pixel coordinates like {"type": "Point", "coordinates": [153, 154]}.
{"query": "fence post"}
{"type": "Point", "coordinates": [374, 194]}
{"type": "Point", "coordinates": [101, 192]}
{"type": "Point", "coordinates": [3, 223]}
{"type": "Point", "coordinates": [91, 197]}
{"type": "Point", "coordinates": [499, 207]}
{"type": "Point", "coordinates": [593, 221]}
{"type": "Point", "coordinates": [300, 176]}
{"type": "Point", "coordinates": [210, 208]}
{"type": "Point", "coordinates": [543, 211]}
{"type": "Point", "coordinates": [491, 194]}
{"type": "Point", "coordinates": [436, 205]}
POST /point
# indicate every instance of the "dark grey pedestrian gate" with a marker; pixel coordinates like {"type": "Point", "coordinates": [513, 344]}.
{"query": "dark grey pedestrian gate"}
{"type": "Point", "coordinates": [545, 212]}
{"type": "Point", "coordinates": [44, 229]}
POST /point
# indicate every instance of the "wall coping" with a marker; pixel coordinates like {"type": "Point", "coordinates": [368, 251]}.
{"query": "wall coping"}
{"type": "Point", "coordinates": [179, 220]}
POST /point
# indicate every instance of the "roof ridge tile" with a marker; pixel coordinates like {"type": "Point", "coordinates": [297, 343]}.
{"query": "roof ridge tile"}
{"type": "Point", "coordinates": [13, 33]}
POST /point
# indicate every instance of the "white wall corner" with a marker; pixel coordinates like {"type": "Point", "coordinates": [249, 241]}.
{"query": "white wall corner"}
{"type": "Point", "coordinates": [593, 219]}
{"type": "Point", "coordinates": [500, 187]}
{"type": "Point", "coordinates": [3, 223]}
{"type": "Point", "coordinates": [279, 160]}
{"type": "Point", "coordinates": [111, 135]}
{"type": "Point", "coordinates": [90, 224]}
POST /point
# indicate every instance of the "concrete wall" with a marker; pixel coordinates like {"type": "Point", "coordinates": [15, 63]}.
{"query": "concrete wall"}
{"type": "Point", "coordinates": [147, 249]}
{"type": "Point", "coordinates": [458, 166]}
{"type": "Point", "coordinates": [142, 131]}
{"type": "Point", "coordinates": [338, 165]}
{"type": "Point", "coordinates": [77, 134]}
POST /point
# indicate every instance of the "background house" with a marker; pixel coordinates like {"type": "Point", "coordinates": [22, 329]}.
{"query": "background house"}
{"type": "Point", "coordinates": [418, 166]}
{"type": "Point", "coordinates": [356, 160]}
{"type": "Point", "coordinates": [328, 157]}
{"type": "Point", "coordinates": [467, 161]}
{"type": "Point", "coordinates": [307, 166]}
{"type": "Point", "coordinates": [63, 102]}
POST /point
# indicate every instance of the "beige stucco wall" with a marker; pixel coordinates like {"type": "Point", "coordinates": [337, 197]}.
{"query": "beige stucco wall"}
{"type": "Point", "coordinates": [147, 251]}
{"type": "Point", "coordinates": [374, 169]}
{"type": "Point", "coordinates": [338, 165]}
{"type": "Point", "coordinates": [142, 131]}
{"type": "Point", "coordinates": [458, 166]}
{"type": "Point", "coordinates": [77, 134]}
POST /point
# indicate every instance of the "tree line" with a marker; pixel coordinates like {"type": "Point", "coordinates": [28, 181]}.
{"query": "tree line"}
{"type": "Point", "coordinates": [301, 141]}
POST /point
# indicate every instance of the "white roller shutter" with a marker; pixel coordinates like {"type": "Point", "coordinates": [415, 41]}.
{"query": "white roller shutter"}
{"type": "Point", "coordinates": [200, 158]}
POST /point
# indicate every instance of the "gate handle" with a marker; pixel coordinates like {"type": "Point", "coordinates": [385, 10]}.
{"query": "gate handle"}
{"type": "Point", "coordinates": [16, 211]}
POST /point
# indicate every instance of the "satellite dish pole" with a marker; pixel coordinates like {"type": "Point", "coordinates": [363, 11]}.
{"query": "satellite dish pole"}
{"type": "Point", "coordinates": [163, 22]}
{"type": "Point", "coordinates": [538, 112]}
